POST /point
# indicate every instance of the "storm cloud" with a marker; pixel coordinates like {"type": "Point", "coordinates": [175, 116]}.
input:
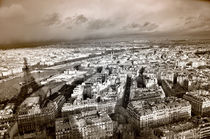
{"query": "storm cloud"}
{"type": "Point", "coordinates": [38, 20]}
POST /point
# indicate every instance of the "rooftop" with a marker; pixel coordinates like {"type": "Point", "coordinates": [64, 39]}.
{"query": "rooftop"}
{"type": "Point", "coordinates": [146, 107]}
{"type": "Point", "coordinates": [91, 118]}
{"type": "Point", "coordinates": [200, 95]}
{"type": "Point", "coordinates": [30, 106]}
{"type": "Point", "coordinates": [178, 127]}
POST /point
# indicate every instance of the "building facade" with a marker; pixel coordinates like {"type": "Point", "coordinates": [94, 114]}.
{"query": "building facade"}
{"type": "Point", "coordinates": [152, 114]}
{"type": "Point", "coordinates": [200, 101]}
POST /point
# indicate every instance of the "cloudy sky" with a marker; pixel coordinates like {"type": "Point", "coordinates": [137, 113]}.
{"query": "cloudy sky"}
{"type": "Point", "coordinates": [35, 20]}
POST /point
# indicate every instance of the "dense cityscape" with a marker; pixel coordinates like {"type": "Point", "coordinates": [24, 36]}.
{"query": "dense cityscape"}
{"type": "Point", "coordinates": [106, 90]}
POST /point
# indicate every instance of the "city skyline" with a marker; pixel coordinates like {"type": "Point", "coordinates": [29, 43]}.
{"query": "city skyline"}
{"type": "Point", "coordinates": [106, 89]}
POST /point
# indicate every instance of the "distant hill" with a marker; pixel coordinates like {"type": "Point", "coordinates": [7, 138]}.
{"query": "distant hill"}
{"type": "Point", "coordinates": [26, 45]}
{"type": "Point", "coordinates": [163, 37]}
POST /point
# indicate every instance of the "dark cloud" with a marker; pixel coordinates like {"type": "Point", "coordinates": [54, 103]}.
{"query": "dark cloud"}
{"type": "Point", "coordinates": [71, 22]}
{"type": "Point", "coordinates": [80, 19]}
{"type": "Point", "coordinates": [99, 24]}
{"type": "Point", "coordinates": [205, 0]}
{"type": "Point", "coordinates": [53, 19]}
{"type": "Point", "coordinates": [191, 23]}
{"type": "Point", "coordinates": [146, 24]}
{"type": "Point", "coordinates": [145, 27]}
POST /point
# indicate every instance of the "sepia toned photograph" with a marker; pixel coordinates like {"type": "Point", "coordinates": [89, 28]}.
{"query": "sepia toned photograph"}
{"type": "Point", "coordinates": [104, 69]}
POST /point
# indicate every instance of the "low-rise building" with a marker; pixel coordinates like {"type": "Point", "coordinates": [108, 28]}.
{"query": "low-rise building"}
{"type": "Point", "coordinates": [159, 112]}
{"type": "Point", "coordinates": [181, 130]}
{"type": "Point", "coordinates": [92, 124]}
{"type": "Point", "coordinates": [200, 101]}
{"type": "Point", "coordinates": [195, 128]}
{"type": "Point", "coordinates": [147, 93]}
{"type": "Point", "coordinates": [7, 114]}
{"type": "Point", "coordinates": [34, 119]}
{"type": "Point", "coordinates": [69, 108]}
